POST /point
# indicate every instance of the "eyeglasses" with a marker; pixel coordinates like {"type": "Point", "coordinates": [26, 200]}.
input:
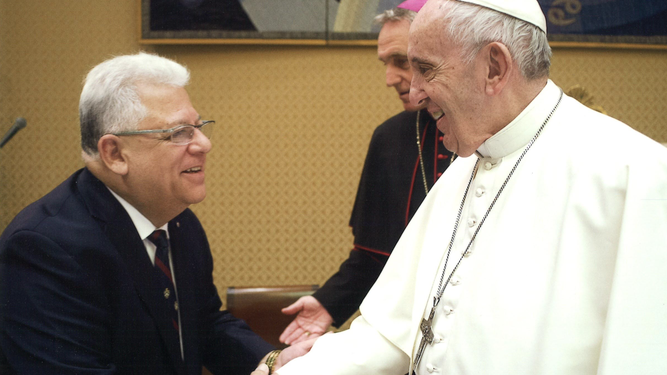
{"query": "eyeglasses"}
{"type": "Point", "coordinates": [178, 135]}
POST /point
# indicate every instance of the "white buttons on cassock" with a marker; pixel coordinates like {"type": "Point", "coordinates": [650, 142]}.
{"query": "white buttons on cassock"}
{"type": "Point", "coordinates": [471, 222]}
{"type": "Point", "coordinates": [448, 310]}
{"type": "Point", "coordinates": [488, 165]}
{"type": "Point", "coordinates": [479, 192]}
{"type": "Point", "coordinates": [455, 281]}
{"type": "Point", "coordinates": [430, 368]}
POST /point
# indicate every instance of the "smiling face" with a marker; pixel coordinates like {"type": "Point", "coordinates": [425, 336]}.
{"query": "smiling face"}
{"type": "Point", "coordinates": [162, 178]}
{"type": "Point", "coordinates": [393, 52]}
{"type": "Point", "coordinates": [452, 91]}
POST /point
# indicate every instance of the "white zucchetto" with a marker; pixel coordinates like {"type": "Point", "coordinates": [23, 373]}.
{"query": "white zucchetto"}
{"type": "Point", "coordinates": [526, 10]}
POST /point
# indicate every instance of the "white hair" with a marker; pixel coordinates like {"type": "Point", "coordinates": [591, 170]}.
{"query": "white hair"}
{"type": "Point", "coordinates": [394, 15]}
{"type": "Point", "coordinates": [109, 102]}
{"type": "Point", "coordinates": [472, 27]}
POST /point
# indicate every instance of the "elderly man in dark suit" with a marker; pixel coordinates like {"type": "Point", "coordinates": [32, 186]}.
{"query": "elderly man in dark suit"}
{"type": "Point", "coordinates": [111, 273]}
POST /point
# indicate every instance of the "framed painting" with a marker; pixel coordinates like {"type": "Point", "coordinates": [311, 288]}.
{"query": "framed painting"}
{"type": "Point", "coordinates": [607, 23]}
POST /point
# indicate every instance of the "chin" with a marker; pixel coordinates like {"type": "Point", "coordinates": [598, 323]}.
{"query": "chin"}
{"type": "Point", "coordinates": [196, 197]}
{"type": "Point", "coordinates": [411, 108]}
{"type": "Point", "coordinates": [199, 199]}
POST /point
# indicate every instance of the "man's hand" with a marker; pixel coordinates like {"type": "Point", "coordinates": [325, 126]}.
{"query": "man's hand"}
{"type": "Point", "coordinates": [312, 321]}
{"type": "Point", "coordinates": [286, 355]}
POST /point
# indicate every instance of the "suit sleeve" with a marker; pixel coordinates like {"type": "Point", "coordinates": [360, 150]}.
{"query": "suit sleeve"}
{"type": "Point", "coordinates": [52, 315]}
{"type": "Point", "coordinates": [229, 345]}
{"type": "Point", "coordinates": [232, 347]}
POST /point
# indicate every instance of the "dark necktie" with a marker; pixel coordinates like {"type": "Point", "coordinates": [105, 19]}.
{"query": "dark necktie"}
{"type": "Point", "coordinates": [163, 274]}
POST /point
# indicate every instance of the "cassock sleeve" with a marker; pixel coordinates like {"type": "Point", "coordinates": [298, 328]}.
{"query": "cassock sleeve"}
{"type": "Point", "coordinates": [342, 294]}
{"type": "Point", "coordinates": [378, 216]}
{"type": "Point", "coordinates": [359, 350]}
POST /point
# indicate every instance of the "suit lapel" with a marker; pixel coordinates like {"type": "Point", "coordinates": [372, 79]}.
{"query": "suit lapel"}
{"type": "Point", "coordinates": [123, 235]}
{"type": "Point", "coordinates": [184, 285]}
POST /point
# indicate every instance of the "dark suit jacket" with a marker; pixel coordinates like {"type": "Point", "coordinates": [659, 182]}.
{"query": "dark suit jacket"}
{"type": "Point", "coordinates": [77, 294]}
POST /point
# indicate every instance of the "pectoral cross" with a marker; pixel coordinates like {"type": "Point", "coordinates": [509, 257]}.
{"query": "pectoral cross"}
{"type": "Point", "coordinates": [427, 335]}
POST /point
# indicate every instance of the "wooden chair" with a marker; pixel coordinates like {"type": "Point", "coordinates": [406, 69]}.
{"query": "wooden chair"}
{"type": "Point", "coordinates": [260, 307]}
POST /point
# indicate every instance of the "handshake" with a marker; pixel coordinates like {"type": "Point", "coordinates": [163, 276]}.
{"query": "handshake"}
{"type": "Point", "coordinates": [311, 322]}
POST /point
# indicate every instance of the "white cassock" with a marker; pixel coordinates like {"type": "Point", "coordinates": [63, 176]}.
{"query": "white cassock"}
{"type": "Point", "coordinates": [567, 276]}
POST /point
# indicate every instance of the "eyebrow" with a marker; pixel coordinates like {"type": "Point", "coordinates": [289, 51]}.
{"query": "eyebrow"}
{"type": "Point", "coordinates": [183, 122]}
{"type": "Point", "coordinates": [393, 55]}
{"type": "Point", "coordinates": [417, 60]}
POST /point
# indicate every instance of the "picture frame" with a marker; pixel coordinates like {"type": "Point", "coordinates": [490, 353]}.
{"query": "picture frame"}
{"type": "Point", "coordinates": [571, 23]}
{"type": "Point", "coordinates": [309, 22]}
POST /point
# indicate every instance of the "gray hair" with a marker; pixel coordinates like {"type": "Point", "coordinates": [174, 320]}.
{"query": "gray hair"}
{"type": "Point", "coordinates": [472, 27]}
{"type": "Point", "coordinates": [109, 102]}
{"type": "Point", "coordinates": [394, 15]}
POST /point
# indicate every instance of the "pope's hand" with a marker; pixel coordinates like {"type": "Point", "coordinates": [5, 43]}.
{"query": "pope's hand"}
{"type": "Point", "coordinates": [294, 351]}
{"type": "Point", "coordinates": [312, 320]}
{"type": "Point", "coordinates": [261, 370]}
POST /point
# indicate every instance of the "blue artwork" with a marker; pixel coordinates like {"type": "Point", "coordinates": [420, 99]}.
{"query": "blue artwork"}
{"type": "Point", "coordinates": [606, 17]}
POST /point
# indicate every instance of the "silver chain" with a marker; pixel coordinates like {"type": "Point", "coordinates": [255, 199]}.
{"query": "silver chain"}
{"type": "Point", "coordinates": [441, 286]}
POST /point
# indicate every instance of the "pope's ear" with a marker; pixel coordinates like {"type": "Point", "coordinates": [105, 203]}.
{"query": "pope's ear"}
{"type": "Point", "coordinates": [111, 155]}
{"type": "Point", "coordinates": [500, 66]}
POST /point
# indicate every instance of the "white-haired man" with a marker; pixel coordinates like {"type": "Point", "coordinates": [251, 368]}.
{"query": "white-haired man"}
{"type": "Point", "coordinates": [111, 273]}
{"type": "Point", "coordinates": [405, 158]}
{"type": "Point", "coordinates": [543, 253]}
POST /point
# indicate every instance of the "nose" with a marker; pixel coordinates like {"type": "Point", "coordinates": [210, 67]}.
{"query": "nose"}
{"type": "Point", "coordinates": [417, 95]}
{"type": "Point", "coordinates": [392, 78]}
{"type": "Point", "coordinates": [200, 143]}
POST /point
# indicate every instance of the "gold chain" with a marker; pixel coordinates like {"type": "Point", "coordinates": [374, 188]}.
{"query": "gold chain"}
{"type": "Point", "coordinates": [421, 158]}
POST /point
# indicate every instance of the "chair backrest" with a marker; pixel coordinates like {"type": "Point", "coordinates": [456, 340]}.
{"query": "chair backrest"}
{"type": "Point", "coordinates": [260, 307]}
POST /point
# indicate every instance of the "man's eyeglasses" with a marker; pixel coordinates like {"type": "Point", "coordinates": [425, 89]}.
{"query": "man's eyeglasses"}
{"type": "Point", "coordinates": [178, 135]}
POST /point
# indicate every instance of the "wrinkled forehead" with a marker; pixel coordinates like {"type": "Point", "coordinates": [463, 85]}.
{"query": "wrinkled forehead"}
{"type": "Point", "coordinates": [425, 29]}
{"type": "Point", "coordinates": [431, 10]}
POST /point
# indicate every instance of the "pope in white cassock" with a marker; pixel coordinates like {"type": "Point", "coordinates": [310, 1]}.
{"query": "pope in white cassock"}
{"type": "Point", "coordinates": [543, 248]}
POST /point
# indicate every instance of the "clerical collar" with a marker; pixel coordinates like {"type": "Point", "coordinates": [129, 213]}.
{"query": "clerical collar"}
{"type": "Point", "coordinates": [518, 133]}
{"type": "Point", "coordinates": [143, 225]}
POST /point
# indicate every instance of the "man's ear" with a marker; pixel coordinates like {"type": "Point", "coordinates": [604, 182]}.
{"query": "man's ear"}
{"type": "Point", "coordinates": [500, 66]}
{"type": "Point", "coordinates": [111, 155]}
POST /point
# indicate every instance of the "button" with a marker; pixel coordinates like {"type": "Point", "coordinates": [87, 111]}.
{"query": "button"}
{"type": "Point", "coordinates": [479, 192]}
{"type": "Point", "coordinates": [176, 305]}
{"type": "Point", "coordinates": [472, 222]}
{"type": "Point", "coordinates": [166, 293]}
{"type": "Point", "coordinates": [440, 138]}
{"type": "Point", "coordinates": [455, 281]}
{"type": "Point", "coordinates": [488, 165]}
{"type": "Point", "coordinates": [430, 367]}
{"type": "Point", "coordinates": [438, 338]}
{"type": "Point", "coordinates": [448, 310]}
{"type": "Point", "coordinates": [441, 156]}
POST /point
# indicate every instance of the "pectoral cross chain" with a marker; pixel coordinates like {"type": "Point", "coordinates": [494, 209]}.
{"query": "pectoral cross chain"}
{"type": "Point", "coordinates": [426, 325]}
{"type": "Point", "coordinates": [427, 335]}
